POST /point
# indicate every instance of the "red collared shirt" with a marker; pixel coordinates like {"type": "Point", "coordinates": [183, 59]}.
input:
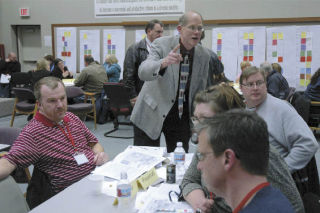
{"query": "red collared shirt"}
{"type": "Point", "coordinates": [43, 144]}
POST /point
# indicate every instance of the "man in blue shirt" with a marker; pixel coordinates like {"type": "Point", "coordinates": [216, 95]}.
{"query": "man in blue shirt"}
{"type": "Point", "coordinates": [233, 154]}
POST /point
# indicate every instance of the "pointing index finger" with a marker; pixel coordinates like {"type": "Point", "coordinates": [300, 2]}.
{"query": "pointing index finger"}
{"type": "Point", "coordinates": [176, 48]}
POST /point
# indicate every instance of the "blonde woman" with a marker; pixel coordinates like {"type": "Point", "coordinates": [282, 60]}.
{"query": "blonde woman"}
{"type": "Point", "coordinates": [43, 70]}
{"type": "Point", "coordinates": [243, 66]}
{"type": "Point", "coordinates": [112, 68]}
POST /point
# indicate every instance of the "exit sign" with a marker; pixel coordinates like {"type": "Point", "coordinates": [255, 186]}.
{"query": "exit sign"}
{"type": "Point", "coordinates": [24, 12]}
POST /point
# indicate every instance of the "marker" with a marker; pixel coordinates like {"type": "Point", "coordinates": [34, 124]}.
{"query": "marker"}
{"type": "Point", "coordinates": [165, 210]}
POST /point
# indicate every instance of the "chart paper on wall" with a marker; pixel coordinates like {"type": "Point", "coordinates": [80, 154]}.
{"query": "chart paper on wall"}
{"type": "Point", "coordinates": [281, 49]}
{"type": "Point", "coordinates": [225, 45]}
{"type": "Point", "coordinates": [307, 49]}
{"type": "Point", "coordinates": [89, 45]}
{"type": "Point", "coordinates": [114, 43]}
{"type": "Point", "coordinates": [66, 48]}
{"type": "Point", "coordinates": [252, 45]}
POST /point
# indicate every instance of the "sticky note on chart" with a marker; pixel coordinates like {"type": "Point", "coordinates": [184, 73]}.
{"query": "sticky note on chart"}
{"type": "Point", "coordinates": [274, 36]}
{"type": "Point", "coordinates": [245, 36]}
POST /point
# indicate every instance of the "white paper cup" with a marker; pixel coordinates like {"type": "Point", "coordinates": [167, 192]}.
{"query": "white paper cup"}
{"type": "Point", "coordinates": [96, 182]}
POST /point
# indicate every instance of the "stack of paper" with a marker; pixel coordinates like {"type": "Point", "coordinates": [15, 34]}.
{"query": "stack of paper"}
{"type": "Point", "coordinates": [134, 160]}
{"type": "Point", "coordinates": [156, 199]}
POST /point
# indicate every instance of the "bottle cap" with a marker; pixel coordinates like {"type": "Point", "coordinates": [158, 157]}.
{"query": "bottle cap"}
{"type": "Point", "coordinates": [179, 144]}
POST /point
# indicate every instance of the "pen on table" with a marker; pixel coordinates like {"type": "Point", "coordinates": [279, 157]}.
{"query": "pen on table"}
{"type": "Point", "coordinates": [177, 210]}
{"type": "Point", "coordinates": [165, 210]}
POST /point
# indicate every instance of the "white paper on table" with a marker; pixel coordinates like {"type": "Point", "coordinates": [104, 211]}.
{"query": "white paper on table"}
{"type": "Point", "coordinates": [5, 79]}
{"type": "Point", "coordinates": [166, 206]}
{"type": "Point", "coordinates": [3, 146]}
{"type": "Point", "coordinates": [135, 163]}
{"type": "Point", "coordinates": [110, 188]}
{"type": "Point", "coordinates": [151, 150]}
{"type": "Point", "coordinates": [162, 172]}
{"type": "Point", "coordinates": [157, 198]}
{"type": "Point", "coordinates": [155, 193]}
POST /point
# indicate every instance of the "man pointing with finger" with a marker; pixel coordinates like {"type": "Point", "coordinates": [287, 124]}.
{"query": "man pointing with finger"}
{"type": "Point", "coordinates": [175, 70]}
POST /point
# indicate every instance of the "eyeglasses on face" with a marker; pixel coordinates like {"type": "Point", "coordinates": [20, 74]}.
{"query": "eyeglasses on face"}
{"type": "Point", "coordinates": [195, 120]}
{"type": "Point", "coordinates": [201, 156]}
{"type": "Point", "coordinates": [195, 28]}
{"type": "Point", "coordinates": [253, 84]}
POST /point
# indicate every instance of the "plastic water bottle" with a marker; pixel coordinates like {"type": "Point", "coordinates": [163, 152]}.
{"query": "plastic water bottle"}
{"type": "Point", "coordinates": [124, 191]}
{"type": "Point", "coordinates": [179, 159]}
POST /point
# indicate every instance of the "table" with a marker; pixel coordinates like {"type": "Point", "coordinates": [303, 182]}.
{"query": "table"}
{"type": "Point", "coordinates": [81, 198]}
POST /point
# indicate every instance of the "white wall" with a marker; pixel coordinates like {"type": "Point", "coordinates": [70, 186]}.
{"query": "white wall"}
{"type": "Point", "coordinates": [47, 12]}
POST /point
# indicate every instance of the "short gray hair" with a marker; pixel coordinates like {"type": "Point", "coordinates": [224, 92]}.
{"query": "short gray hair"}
{"type": "Point", "coordinates": [247, 72]}
{"type": "Point", "coordinates": [51, 82]}
{"type": "Point", "coordinates": [266, 67]}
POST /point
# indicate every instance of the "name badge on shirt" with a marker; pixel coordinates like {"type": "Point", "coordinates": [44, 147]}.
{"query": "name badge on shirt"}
{"type": "Point", "coordinates": [80, 158]}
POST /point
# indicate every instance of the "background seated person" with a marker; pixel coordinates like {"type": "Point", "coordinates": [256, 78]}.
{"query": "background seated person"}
{"type": "Point", "coordinates": [61, 71]}
{"type": "Point", "coordinates": [208, 103]}
{"type": "Point", "coordinates": [42, 70]}
{"type": "Point", "coordinates": [277, 85]}
{"type": "Point", "coordinates": [12, 64]}
{"type": "Point", "coordinates": [288, 132]}
{"type": "Point", "coordinates": [277, 67]}
{"type": "Point", "coordinates": [233, 154]}
{"type": "Point", "coordinates": [92, 77]}
{"type": "Point", "coordinates": [50, 58]}
{"type": "Point", "coordinates": [56, 142]}
{"type": "Point", "coordinates": [313, 90]}
{"type": "Point", "coordinates": [112, 67]}
{"type": "Point", "coordinates": [243, 66]}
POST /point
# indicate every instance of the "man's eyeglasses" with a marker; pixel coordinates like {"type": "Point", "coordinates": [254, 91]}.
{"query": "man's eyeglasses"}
{"type": "Point", "coordinates": [253, 84]}
{"type": "Point", "coordinates": [201, 156]}
{"type": "Point", "coordinates": [195, 120]}
{"type": "Point", "coordinates": [194, 28]}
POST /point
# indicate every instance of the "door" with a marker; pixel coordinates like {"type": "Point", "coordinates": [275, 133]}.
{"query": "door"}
{"type": "Point", "coordinates": [29, 46]}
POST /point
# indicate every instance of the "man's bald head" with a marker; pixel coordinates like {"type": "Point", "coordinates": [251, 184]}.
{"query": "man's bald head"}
{"type": "Point", "coordinates": [12, 56]}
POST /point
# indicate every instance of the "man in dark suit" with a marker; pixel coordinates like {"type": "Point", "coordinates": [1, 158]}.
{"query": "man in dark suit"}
{"type": "Point", "coordinates": [164, 105]}
{"type": "Point", "coordinates": [12, 65]}
{"type": "Point", "coordinates": [136, 54]}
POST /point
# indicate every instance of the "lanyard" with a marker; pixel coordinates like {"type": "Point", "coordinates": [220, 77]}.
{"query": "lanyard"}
{"type": "Point", "coordinates": [69, 137]}
{"type": "Point", "coordinates": [249, 195]}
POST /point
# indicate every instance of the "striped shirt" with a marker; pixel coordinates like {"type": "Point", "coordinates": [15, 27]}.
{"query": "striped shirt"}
{"type": "Point", "coordinates": [43, 144]}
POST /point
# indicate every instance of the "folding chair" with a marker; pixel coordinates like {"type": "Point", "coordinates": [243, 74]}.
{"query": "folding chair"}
{"type": "Point", "coordinates": [119, 104]}
{"type": "Point", "coordinates": [314, 116]}
{"type": "Point", "coordinates": [25, 102]}
{"type": "Point", "coordinates": [82, 108]}
{"type": "Point", "coordinates": [8, 136]}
